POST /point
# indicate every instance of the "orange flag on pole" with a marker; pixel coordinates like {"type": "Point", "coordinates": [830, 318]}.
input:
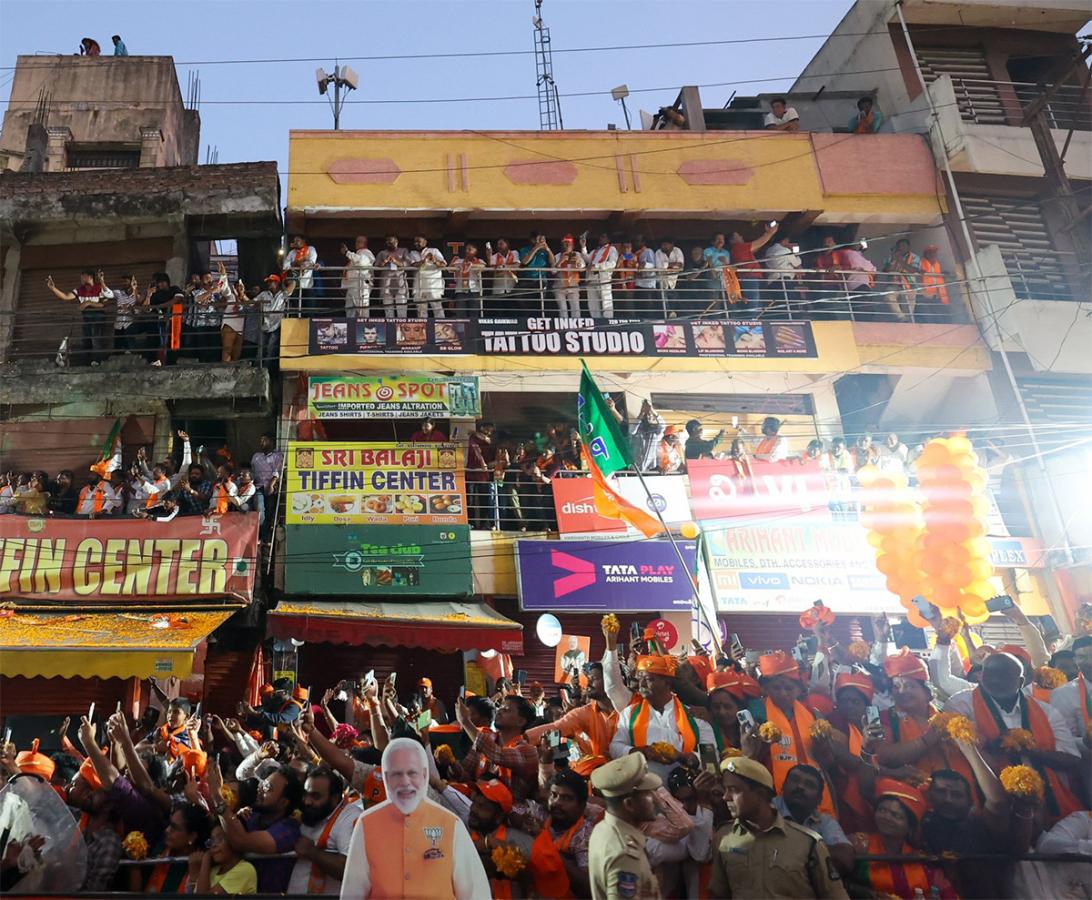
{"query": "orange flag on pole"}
{"type": "Point", "coordinates": [612, 505]}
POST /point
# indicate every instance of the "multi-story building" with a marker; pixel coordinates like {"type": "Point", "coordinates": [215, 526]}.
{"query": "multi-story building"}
{"type": "Point", "coordinates": [100, 174]}
{"type": "Point", "coordinates": [1001, 90]}
{"type": "Point", "coordinates": [838, 358]}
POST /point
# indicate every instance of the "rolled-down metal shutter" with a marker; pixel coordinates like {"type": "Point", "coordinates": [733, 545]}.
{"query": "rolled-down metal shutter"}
{"type": "Point", "coordinates": [976, 91]}
{"type": "Point", "coordinates": [1016, 226]}
{"type": "Point", "coordinates": [41, 320]}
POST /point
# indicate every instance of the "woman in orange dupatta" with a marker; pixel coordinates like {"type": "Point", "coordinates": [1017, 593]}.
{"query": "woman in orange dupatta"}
{"type": "Point", "coordinates": [908, 738]}
{"type": "Point", "coordinates": [899, 808]}
{"type": "Point", "coordinates": [780, 680]}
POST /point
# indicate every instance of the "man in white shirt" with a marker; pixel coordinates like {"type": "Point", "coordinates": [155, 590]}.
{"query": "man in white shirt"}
{"type": "Point", "coordinates": [601, 263]}
{"type": "Point", "coordinates": [325, 832]}
{"type": "Point", "coordinates": [782, 263]}
{"type": "Point", "coordinates": [567, 289]}
{"type": "Point", "coordinates": [504, 262]}
{"type": "Point", "coordinates": [782, 116]}
{"type": "Point", "coordinates": [272, 302]}
{"type": "Point", "coordinates": [428, 286]}
{"type": "Point", "coordinates": [650, 305]}
{"type": "Point", "coordinates": [669, 262]}
{"type": "Point", "coordinates": [301, 261]}
{"type": "Point", "coordinates": [358, 278]}
{"type": "Point", "coordinates": [1072, 699]}
{"type": "Point", "coordinates": [771, 447]}
{"type": "Point", "coordinates": [653, 715]}
{"type": "Point", "coordinates": [392, 261]}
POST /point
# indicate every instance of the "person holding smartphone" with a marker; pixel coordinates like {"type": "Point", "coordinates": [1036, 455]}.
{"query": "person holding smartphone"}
{"type": "Point", "coordinates": [592, 725]}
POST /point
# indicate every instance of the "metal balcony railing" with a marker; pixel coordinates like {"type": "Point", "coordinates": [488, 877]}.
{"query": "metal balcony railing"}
{"type": "Point", "coordinates": [1003, 103]}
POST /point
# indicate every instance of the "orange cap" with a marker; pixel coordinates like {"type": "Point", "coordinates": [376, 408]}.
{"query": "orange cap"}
{"type": "Point", "coordinates": [300, 693]}
{"type": "Point", "coordinates": [88, 774]}
{"type": "Point", "coordinates": [658, 665]}
{"type": "Point", "coordinates": [703, 665]}
{"type": "Point", "coordinates": [905, 664]}
{"type": "Point", "coordinates": [858, 680]}
{"type": "Point", "coordinates": [738, 684]}
{"type": "Point", "coordinates": [195, 760]}
{"type": "Point", "coordinates": [1019, 652]}
{"type": "Point", "coordinates": [34, 763]}
{"type": "Point", "coordinates": [908, 796]}
{"type": "Point", "coordinates": [497, 792]}
{"type": "Point", "coordinates": [819, 703]}
{"type": "Point", "coordinates": [770, 665]}
{"type": "Point", "coordinates": [424, 682]}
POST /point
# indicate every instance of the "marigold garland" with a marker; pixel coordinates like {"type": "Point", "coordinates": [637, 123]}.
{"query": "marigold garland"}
{"type": "Point", "coordinates": [960, 728]}
{"type": "Point", "coordinates": [663, 752]}
{"type": "Point", "coordinates": [820, 730]}
{"type": "Point", "coordinates": [444, 755]}
{"type": "Point", "coordinates": [859, 651]}
{"type": "Point", "coordinates": [229, 796]}
{"type": "Point", "coordinates": [1022, 781]}
{"type": "Point", "coordinates": [610, 623]}
{"type": "Point", "coordinates": [508, 860]}
{"type": "Point", "coordinates": [939, 721]}
{"type": "Point", "coordinates": [135, 845]}
{"type": "Point", "coordinates": [950, 626]}
{"type": "Point", "coordinates": [1017, 740]}
{"type": "Point", "coordinates": [769, 732]}
{"type": "Point", "coordinates": [1049, 678]}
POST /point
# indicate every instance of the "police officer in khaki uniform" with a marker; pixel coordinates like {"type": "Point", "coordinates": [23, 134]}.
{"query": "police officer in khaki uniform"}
{"type": "Point", "coordinates": [617, 864]}
{"type": "Point", "coordinates": [761, 855]}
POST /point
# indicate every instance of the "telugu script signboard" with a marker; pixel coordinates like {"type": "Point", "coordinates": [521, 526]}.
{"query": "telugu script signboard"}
{"type": "Point", "coordinates": [792, 488]}
{"type": "Point", "coordinates": [378, 483]}
{"type": "Point", "coordinates": [128, 560]}
{"type": "Point", "coordinates": [564, 337]}
{"type": "Point", "coordinates": [392, 397]}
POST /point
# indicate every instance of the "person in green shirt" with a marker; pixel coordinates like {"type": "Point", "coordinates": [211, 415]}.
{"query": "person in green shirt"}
{"type": "Point", "coordinates": [220, 870]}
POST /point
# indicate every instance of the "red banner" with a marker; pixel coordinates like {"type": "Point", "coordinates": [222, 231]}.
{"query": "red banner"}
{"type": "Point", "coordinates": [792, 489]}
{"type": "Point", "coordinates": [128, 560]}
{"type": "Point", "coordinates": [574, 502]}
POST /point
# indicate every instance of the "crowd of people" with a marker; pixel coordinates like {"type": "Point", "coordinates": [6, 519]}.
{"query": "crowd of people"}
{"type": "Point", "coordinates": [213, 319]}
{"type": "Point", "coordinates": [821, 770]}
{"type": "Point", "coordinates": [622, 277]}
{"type": "Point", "coordinates": [195, 485]}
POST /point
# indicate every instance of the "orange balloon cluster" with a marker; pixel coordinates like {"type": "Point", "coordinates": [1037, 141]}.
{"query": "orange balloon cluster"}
{"type": "Point", "coordinates": [892, 516]}
{"type": "Point", "coordinates": [953, 550]}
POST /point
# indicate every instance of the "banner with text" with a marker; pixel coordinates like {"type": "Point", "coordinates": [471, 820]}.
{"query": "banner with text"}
{"type": "Point", "coordinates": [392, 397]}
{"type": "Point", "coordinates": [554, 336]}
{"type": "Point", "coordinates": [378, 560]}
{"type": "Point", "coordinates": [574, 503]}
{"type": "Point", "coordinates": [377, 483]}
{"type": "Point", "coordinates": [790, 489]}
{"type": "Point", "coordinates": [128, 560]}
{"type": "Point", "coordinates": [785, 568]}
{"type": "Point", "coordinates": [605, 576]}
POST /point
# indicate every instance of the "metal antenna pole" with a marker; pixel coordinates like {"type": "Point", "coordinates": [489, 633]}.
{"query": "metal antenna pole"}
{"type": "Point", "coordinates": [549, 104]}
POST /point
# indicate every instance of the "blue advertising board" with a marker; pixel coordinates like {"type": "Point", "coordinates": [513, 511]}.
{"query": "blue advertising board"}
{"type": "Point", "coordinates": [605, 576]}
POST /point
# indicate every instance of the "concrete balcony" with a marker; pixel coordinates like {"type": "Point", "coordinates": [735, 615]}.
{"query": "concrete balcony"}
{"type": "Point", "coordinates": [978, 121]}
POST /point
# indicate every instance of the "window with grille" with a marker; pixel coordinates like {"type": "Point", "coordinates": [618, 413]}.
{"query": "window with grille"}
{"type": "Point", "coordinates": [976, 91]}
{"type": "Point", "coordinates": [1016, 226]}
{"type": "Point", "coordinates": [99, 158]}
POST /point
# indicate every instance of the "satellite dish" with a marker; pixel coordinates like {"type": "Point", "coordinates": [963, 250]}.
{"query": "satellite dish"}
{"type": "Point", "coordinates": [548, 629]}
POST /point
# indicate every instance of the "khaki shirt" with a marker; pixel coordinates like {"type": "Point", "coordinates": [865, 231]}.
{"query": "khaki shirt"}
{"type": "Point", "coordinates": [617, 864]}
{"type": "Point", "coordinates": [787, 860]}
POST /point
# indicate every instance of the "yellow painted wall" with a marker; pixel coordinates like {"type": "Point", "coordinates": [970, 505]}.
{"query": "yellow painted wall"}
{"type": "Point", "coordinates": [774, 171]}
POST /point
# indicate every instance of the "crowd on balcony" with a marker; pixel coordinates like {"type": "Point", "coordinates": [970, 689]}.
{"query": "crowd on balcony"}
{"type": "Point", "coordinates": [621, 277]}
{"type": "Point", "coordinates": [194, 486]}
{"type": "Point", "coordinates": [815, 769]}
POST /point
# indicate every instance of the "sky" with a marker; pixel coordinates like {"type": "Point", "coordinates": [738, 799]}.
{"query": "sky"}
{"type": "Point", "coordinates": [246, 108]}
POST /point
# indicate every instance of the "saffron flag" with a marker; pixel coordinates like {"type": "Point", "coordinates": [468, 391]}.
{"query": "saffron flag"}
{"type": "Point", "coordinates": [110, 459]}
{"type": "Point", "coordinates": [606, 451]}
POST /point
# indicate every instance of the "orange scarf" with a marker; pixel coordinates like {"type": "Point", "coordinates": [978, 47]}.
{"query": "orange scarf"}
{"type": "Point", "coordinates": [98, 497]}
{"type": "Point", "coordinates": [1041, 694]}
{"type": "Point", "coordinates": [864, 124]}
{"type": "Point", "coordinates": [733, 290]}
{"type": "Point", "coordinates": [794, 747]}
{"type": "Point", "coordinates": [158, 879]}
{"type": "Point", "coordinates": [177, 309]}
{"type": "Point", "coordinates": [161, 485]}
{"type": "Point", "coordinates": [316, 883]}
{"type": "Point", "coordinates": [301, 255]}
{"type": "Point", "coordinates": [570, 275]}
{"type": "Point", "coordinates": [906, 729]}
{"type": "Point", "coordinates": [1060, 801]}
{"type": "Point", "coordinates": [548, 875]}
{"type": "Point", "coordinates": [851, 797]}
{"type": "Point", "coordinates": [638, 725]}
{"type": "Point", "coordinates": [596, 748]}
{"type": "Point", "coordinates": [881, 877]}
{"type": "Point", "coordinates": [223, 498]}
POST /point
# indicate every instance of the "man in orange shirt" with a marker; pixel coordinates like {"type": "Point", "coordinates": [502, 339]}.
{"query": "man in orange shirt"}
{"type": "Point", "coordinates": [592, 725]}
{"type": "Point", "coordinates": [409, 846]}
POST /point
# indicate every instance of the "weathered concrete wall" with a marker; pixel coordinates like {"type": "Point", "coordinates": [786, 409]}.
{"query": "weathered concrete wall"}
{"type": "Point", "coordinates": [102, 100]}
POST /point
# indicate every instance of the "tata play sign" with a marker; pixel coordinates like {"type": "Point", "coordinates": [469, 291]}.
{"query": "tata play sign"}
{"type": "Point", "coordinates": [604, 576]}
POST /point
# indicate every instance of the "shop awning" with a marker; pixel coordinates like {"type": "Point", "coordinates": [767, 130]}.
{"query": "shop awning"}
{"type": "Point", "coordinates": [430, 624]}
{"type": "Point", "coordinates": [104, 645]}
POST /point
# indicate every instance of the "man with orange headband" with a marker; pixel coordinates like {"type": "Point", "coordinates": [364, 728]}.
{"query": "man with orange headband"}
{"type": "Point", "coordinates": [658, 716]}
{"type": "Point", "coordinates": [781, 683]}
